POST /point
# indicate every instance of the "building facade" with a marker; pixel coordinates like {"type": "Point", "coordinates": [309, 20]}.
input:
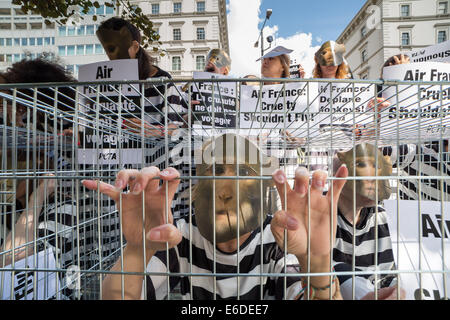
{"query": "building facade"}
{"type": "Point", "coordinates": [383, 28]}
{"type": "Point", "coordinates": [188, 29]}
{"type": "Point", "coordinates": [27, 35]}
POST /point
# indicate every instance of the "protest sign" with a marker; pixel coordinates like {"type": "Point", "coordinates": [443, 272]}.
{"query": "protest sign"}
{"type": "Point", "coordinates": [416, 232]}
{"type": "Point", "coordinates": [100, 139]}
{"type": "Point", "coordinates": [417, 109]}
{"type": "Point", "coordinates": [278, 106]}
{"type": "Point", "coordinates": [437, 53]}
{"type": "Point", "coordinates": [294, 71]}
{"type": "Point", "coordinates": [217, 102]}
{"type": "Point", "coordinates": [26, 282]}
{"type": "Point", "coordinates": [342, 106]}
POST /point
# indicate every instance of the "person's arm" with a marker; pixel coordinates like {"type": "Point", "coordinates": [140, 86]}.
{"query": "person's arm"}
{"type": "Point", "coordinates": [24, 228]}
{"type": "Point", "coordinates": [306, 208]}
{"type": "Point", "coordinates": [157, 224]}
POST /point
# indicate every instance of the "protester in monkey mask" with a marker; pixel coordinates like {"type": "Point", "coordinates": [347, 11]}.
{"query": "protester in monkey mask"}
{"type": "Point", "coordinates": [218, 61]}
{"type": "Point", "coordinates": [357, 209]}
{"type": "Point", "coordinates": [330, 62]}
{"type": "Point", "coordinates": [258, 244]}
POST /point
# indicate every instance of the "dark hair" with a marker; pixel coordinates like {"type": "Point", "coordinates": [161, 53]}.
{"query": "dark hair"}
{"type": "Point", "coordinates": [42, 71]}
{"type": "Point", "coordinates": [144, 60]}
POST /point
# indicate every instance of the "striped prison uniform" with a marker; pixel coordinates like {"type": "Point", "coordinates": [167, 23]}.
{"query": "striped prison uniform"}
{"type": "Point", "coordinates": [250, 263]}
{"type": "Point", "coordinates": [428, 159]}
{"type": "Point", "coordinates": [372, 229]}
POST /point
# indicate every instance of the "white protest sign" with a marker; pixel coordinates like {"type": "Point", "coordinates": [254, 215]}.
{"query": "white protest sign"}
{"type": "Point", "coordinates": [113, 70]}
{"type": "Point", "coordinates": [407, 244]}
{"type": "Point", "coordinates": [342, 105]}
{"type": "Point", "coordinates": [278, 106]}
{"type": "Point", "coordinates": [438, 53]}
{"type": "Point", "coordinates": [100, 146]}
{"type": "Point", "coordinates": [418, 109]}
{"type": "Point", "coordinates": [220, 95]}
{"type": "Point", "coordinates": [25, 281]}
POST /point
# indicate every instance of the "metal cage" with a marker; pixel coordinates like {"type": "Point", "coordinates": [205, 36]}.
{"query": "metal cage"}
{"type": "Point", "coordinates": [59, 239]}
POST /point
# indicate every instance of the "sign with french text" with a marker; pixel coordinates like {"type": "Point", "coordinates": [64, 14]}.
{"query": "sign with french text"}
{"type": "Point", "coordinates": [421, 246]}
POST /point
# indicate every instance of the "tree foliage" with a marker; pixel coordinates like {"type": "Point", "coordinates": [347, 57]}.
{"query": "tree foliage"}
{"type": "Point", "coordinates": [71, 11]}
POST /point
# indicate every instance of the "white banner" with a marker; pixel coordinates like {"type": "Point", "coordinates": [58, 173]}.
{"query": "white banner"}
{"type": "Point", "coordinates": [437, 53]}
{"type": "Point", "coordinates": [342, 106]}
{"type": "Point", "coordinates": [25, 281]}
{"type": "Point", "coordinates": [423, 109]}
{"type": "Point", "coordinates": [420, 233]}
{"type": "Point", "coordinates": [278, 106]}
{"type": "Point", "coordinates": [113, 70]}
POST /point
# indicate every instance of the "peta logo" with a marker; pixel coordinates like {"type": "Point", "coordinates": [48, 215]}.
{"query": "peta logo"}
{"type": "Point", "coordinates": [374, 17]}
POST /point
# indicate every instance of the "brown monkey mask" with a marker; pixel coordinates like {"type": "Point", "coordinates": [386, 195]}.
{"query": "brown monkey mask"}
{"type": "Point", "coordinates": [116, 43]}
{"type": "Point", "coordinates": [364, 165]}
{"type": "Point", "coordinates": [232, 155]}
{"type": "Point", "coordinates": [330, 54]}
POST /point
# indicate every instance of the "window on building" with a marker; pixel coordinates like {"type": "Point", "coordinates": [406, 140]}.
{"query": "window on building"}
{"type": "Point", "coordinates": [24, 42]}
{"type": "Point", "coordinates": [100, 10]}
{"type": "Point", "coordinates": [90, 29]}
{"type": "Point", "coordinates": [81, 30]}
{"type": "Point", "coordinates": [70, 50]}
{"type": "Point", "coordinates": [441, 36]}
{"type": "Point", "coordinates": [177, 7]}
{"type": "Point", "coordinates": [16, 57]}
{"type": "Point", "coordinates": [155, 8]}
{"type": "Point", "coordinates": [200, 33]}
{"type": "Point", "coordinates": [53, 41]}
{"type": "Point", "coordinates": [442, 7]}
{"type": "Point", "coordinates": [71, 31]}
{"type": "Point", "coordinates": [69, 68]}
{"type": "Point", "coordinates": [39, 41]}
{"type": "Point", "coordinates": [2, 41]}
{"type": "Point", "coordinates": [9, 42]}
{"type": "Point", "coordinates": [364, 55]}
{"type": "Point", "coordinates": [9, 58]}
{"type": "Point", "coordinates": [176, 34]}
{"type": "Point", "coordinates": [405, 10]}
{"type": "Point", "coordinates": [16, 42]}
{"type": "Point", "coordinates": [176, 63]}
{"type": "Point", "coordinates": [61, 31]}
{"type": "Point", "coordinates": [80, 50]}
{"type": "Point", "coordinates": [32, 41]}
{"type": "Point", "coordinates": [406, 39]}
{"type": "Point", "coordinates": [201, 6]}
{"type": "Point", "coordinates": [89, 49]}
{"type": "Point", "coordinates": [200, 63]}
{"type": "Point", "coordinates": [48, 41]}
{"type": "Point", "coordinates": [363, 31]}
{"type": "Point", "coordinates": [109, 10]}
{"type": "Point", "coordinates": [98, 49]}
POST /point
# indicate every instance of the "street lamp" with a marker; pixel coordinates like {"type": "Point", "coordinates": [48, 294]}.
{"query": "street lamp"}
{"type": "Point", "coordinates": [269, 39]}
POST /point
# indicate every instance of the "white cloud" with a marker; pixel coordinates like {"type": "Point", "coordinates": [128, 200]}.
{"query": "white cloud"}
{"type": "Point", "coordinates": [243, 19]}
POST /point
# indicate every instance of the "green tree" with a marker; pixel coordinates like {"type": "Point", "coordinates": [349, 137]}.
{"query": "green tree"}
{"type": "Point", "coordinates": [70, 11]}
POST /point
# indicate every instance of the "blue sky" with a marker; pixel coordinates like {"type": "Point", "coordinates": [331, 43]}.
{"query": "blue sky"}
{"type": "Point", "coordinates": [325, 19]}
{"type": "Point", "coordinates": [299, 25]}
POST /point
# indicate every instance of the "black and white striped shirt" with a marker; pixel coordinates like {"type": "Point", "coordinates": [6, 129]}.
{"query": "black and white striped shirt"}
{"type": "Point", "coordinates": [250, 263]}
{"type": "Point", "coordinates": [430, 159]}
{"type": "Point", "coordinates": [371, 248]}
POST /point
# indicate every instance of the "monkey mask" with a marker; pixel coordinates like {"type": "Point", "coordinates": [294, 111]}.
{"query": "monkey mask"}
{"type": "Point", "coordinates": [219, 58]}
{"type": "Point", "coordinates": [330, 54]}
{"type": "Point", "coordinates": [216, 201]}
{"type": "Point", "coordinates": [115, 42]}
{"type": "Point", "coordinates": [367, 157]}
